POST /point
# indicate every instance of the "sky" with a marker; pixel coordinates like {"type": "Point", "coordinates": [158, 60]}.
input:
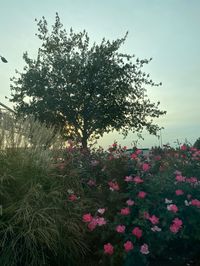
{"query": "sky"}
{"type": "Point", "coordinates": [168, 31]}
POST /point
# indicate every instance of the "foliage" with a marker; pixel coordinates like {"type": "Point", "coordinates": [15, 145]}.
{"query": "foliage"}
{"type": "Point", "coordinates": [197, 143]}
{"type": "Point", "coordinates": [85, 89]}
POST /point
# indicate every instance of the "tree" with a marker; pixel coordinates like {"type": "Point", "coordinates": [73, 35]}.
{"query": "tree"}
{"type": "Point", "coordinates": [84, 89]}
{"type": "Point", "coordinates": [197, 144]}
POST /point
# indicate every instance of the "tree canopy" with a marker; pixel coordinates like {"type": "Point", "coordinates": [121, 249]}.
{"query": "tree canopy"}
{"type": "Point", "coordinates": [84, 89]}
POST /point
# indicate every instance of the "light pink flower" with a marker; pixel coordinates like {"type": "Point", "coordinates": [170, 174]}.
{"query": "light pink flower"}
{"type": "Point", "coordinates": [93, 224]}
{"type": "Point", "coordinates": [138, 180]}
{"type": "Point", "coordinates": [128, 246]}
{"type": "Point", "coordinates": [172, 208]}
{"type": "Point", "coordinates": [176, 225]}
{"type": "Point", "coordinates": [177, 172]}
{"type": "Point", "coordinates": [91, 182]}
{"type": "Point", "coordinates": [142, 194]}
{"type": "Point", "coordinates": [144, 249]}
{"type": "Point", "coordinates": [138, 151]}
{"type": "Point", "coordinates": [125, 211]}
{"type": "Point", "coordinates": [100, 221]}
{"type": "Point", "coordinates": [137, 232]}
{"type": "Point", "coordinates": [128, 178]}
{"type": "Point", "coordinates": [179, 192]}
{"type": "Point", "coordinates": [87, 218]}
{"type": "Point", "coordinates": [183, 147]}
{"type": "Point", "coordinates": [155, 228]}
{"type": "Point", "coordinates": [145, 167]}
{"type": "Point", "coordinates": [120, 228]}
{"type": "Point", "coordinates": [130, 202]}
{"type": "Point", "coordinates": [108, 249]}
{"type": "Point", "coordinates": [101, 210]}
{"type": "Point", "coordinates": [153, 219]}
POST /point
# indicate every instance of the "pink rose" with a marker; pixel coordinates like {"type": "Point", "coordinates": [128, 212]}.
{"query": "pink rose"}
{"type": "Point", "coordinates": [101, 210]}
{"type": "Point", "coordinates": [195, 202]}
{"type": "Point", "coordinates": [138, 180]}
{"type": "Point", "coordinates": [172, 208]}
{"type": "Point", "coordinates": [144, 249]}
{"type": "Point", "coordinates": [130, 202]}
{"type": "Point", "coordinates": [108, 249]}
{"type": "Point", "coordinates": [142, 194]}
{"type": "Point", "coordinates": [153, 219]}
{"type": "Point", "coordinates": [125, 211]}
{"type": "Point", "coordinates": [137, 232]}
{"type": "Point", "coordinates": [120, 228]}
{"type": "Point", "coordinates": [93, 224]}
{"type": "Point", "coordinates": [128, 178]}
{"type": "Point", "coordinates": [145, 167]}
{"type": "Point", "coordinates": [113, 186]}
{"type": "Point", "coordinates": [72, 197]}
{"type": "Point", "coordinates": [87, 218]}
{"type": "Point", "coordinates": [179, 192]}
{"type": "Point", "coordinates": [128, 246]}
{"type": "Point", "coordinates": [180, 178]}
{"type": "Point", "coordinates": [100, 221]}
{"type": "Point", "coordinates": [183, 147]}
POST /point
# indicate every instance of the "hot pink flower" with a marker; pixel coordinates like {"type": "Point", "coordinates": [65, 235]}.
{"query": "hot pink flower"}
{"type": "Point", "coordinates": [183, 147]}
{"type": "Point", "coordinates": [128, 246]}
{"type": "Point", "coordinates": [125, 211]}
{"type": "Point", "coordinates": [154, 219]}
{"type": "Point", "coordinates": [144, 249]}
{"type": "Point", "coordinates": [138, 151]}
{"type": "Point", "coordinates": [137, 232]}
{"type": "Point", "coordinates": [87, 218]}
{"type": "Point", "coordinates": [120, 228]}
{"type": "Point", "coordinates": [130, 202]}
{"type": "Point", "coordinates": [172, 208]}
{"type": "Point", "coordinates": [138, 180]}
{"type": "Point", "coordinates": [133, 156]}
{"type": "Point", "coordinates": [195, 202]}
{"type": "Point", "coordinates": [179, 192]}
{"type": "Point", "coordinates": [113, 186]}
{"type": "Point", "coordinates": [178, 222]}
{"type": "Point", "coordinates": [128, 178]}
{"type": "Point", "coordinates": [145, 167]}
{"type": "Point", "coordinates": [142, 194]}
{"type": "Point", "coordinates": [108, 249]}
{"type": "Point", "coordinates": [176, 226]}
{"type": "Point", "coordinates": [72, 197]}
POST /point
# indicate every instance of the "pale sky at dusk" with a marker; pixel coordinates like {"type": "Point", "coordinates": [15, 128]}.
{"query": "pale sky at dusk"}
{"type": "Point", "coordinates": [168, 31]}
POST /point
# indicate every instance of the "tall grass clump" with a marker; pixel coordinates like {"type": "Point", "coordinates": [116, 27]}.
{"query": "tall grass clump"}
{"type": "Point", "coordinates": [38, 225]}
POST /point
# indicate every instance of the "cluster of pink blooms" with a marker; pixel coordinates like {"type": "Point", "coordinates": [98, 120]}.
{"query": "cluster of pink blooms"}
{"type": "Point", "coordinates": [93, 222]}
{"type": "Point", "coordinates": [176, 225]}
{"type": "Point", "coordinates": [195, 202]}
{"type": "Point", "coordinates": [172, 208]}
{"type": "Point", "coordinates": [128, 246]}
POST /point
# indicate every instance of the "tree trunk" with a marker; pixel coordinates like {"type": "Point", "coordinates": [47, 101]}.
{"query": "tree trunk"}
{"type": "Point", "coordinates": [84, 143]}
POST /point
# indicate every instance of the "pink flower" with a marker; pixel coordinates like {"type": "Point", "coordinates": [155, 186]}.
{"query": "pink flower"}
{"type": "Point", "coordinates": [144, 249]}
{"type": "Point", "coordinates": [93, 224]}
{"type": "Point", "coordinates": [101, 210]}
{"type": "Point", "coordinates": [100, 221]}
{"type": "Point", "coordinates": [177, 172]}
{"type": "Point", "coordinates": [133, 156]}
{"type": "Point", "coordinates": [192, 180]}
{"type": "Point", "coordinates": [145, 167]}
{"type": "Point", "coordinates": [180, 178]}
{"type": "Point", "coordinates": [138, 151]}
{"type": "Point", "coordinates": [172, 208]}
{"type": "Point", "coordinates": [128, 246]}
{"type": "Point", "coordinates": [137, 232]}
{"type": "Point", "coordinates": [113, 186]}
{"type": "Point", "coordinates": [120, 228]}
{"type": "Point", "coordinates": [108, 249]}
{"type": "Point", "coordinates": [138, 180]}
{"type": "Point", "coordinates": [154, 219]}
{"type": "Point", "coordinates": [91, 182]}
{"type": "Point", "coordinates": [146, 215]}
{"type": "Point", "coordinates": [183, 147]}
{"type": "Point", "coordinates": [142, 194]}
{"type": "Point", "coordinates": [130, 202]}
{"type": "Point", "coordinates": [72, 197]}
{"type": "Point", "coordinates": [195, 202]}
{"type": "Point", "coordinates": [87, 218]}
{"type": "Point", "coordinates": [179, 192]}
{"type": "Point", "coordinates": [128, 178]}
{"type": "Point", "coordinates": [176, 226]}
{"type": "Point", "coordinates": [125, 211]}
